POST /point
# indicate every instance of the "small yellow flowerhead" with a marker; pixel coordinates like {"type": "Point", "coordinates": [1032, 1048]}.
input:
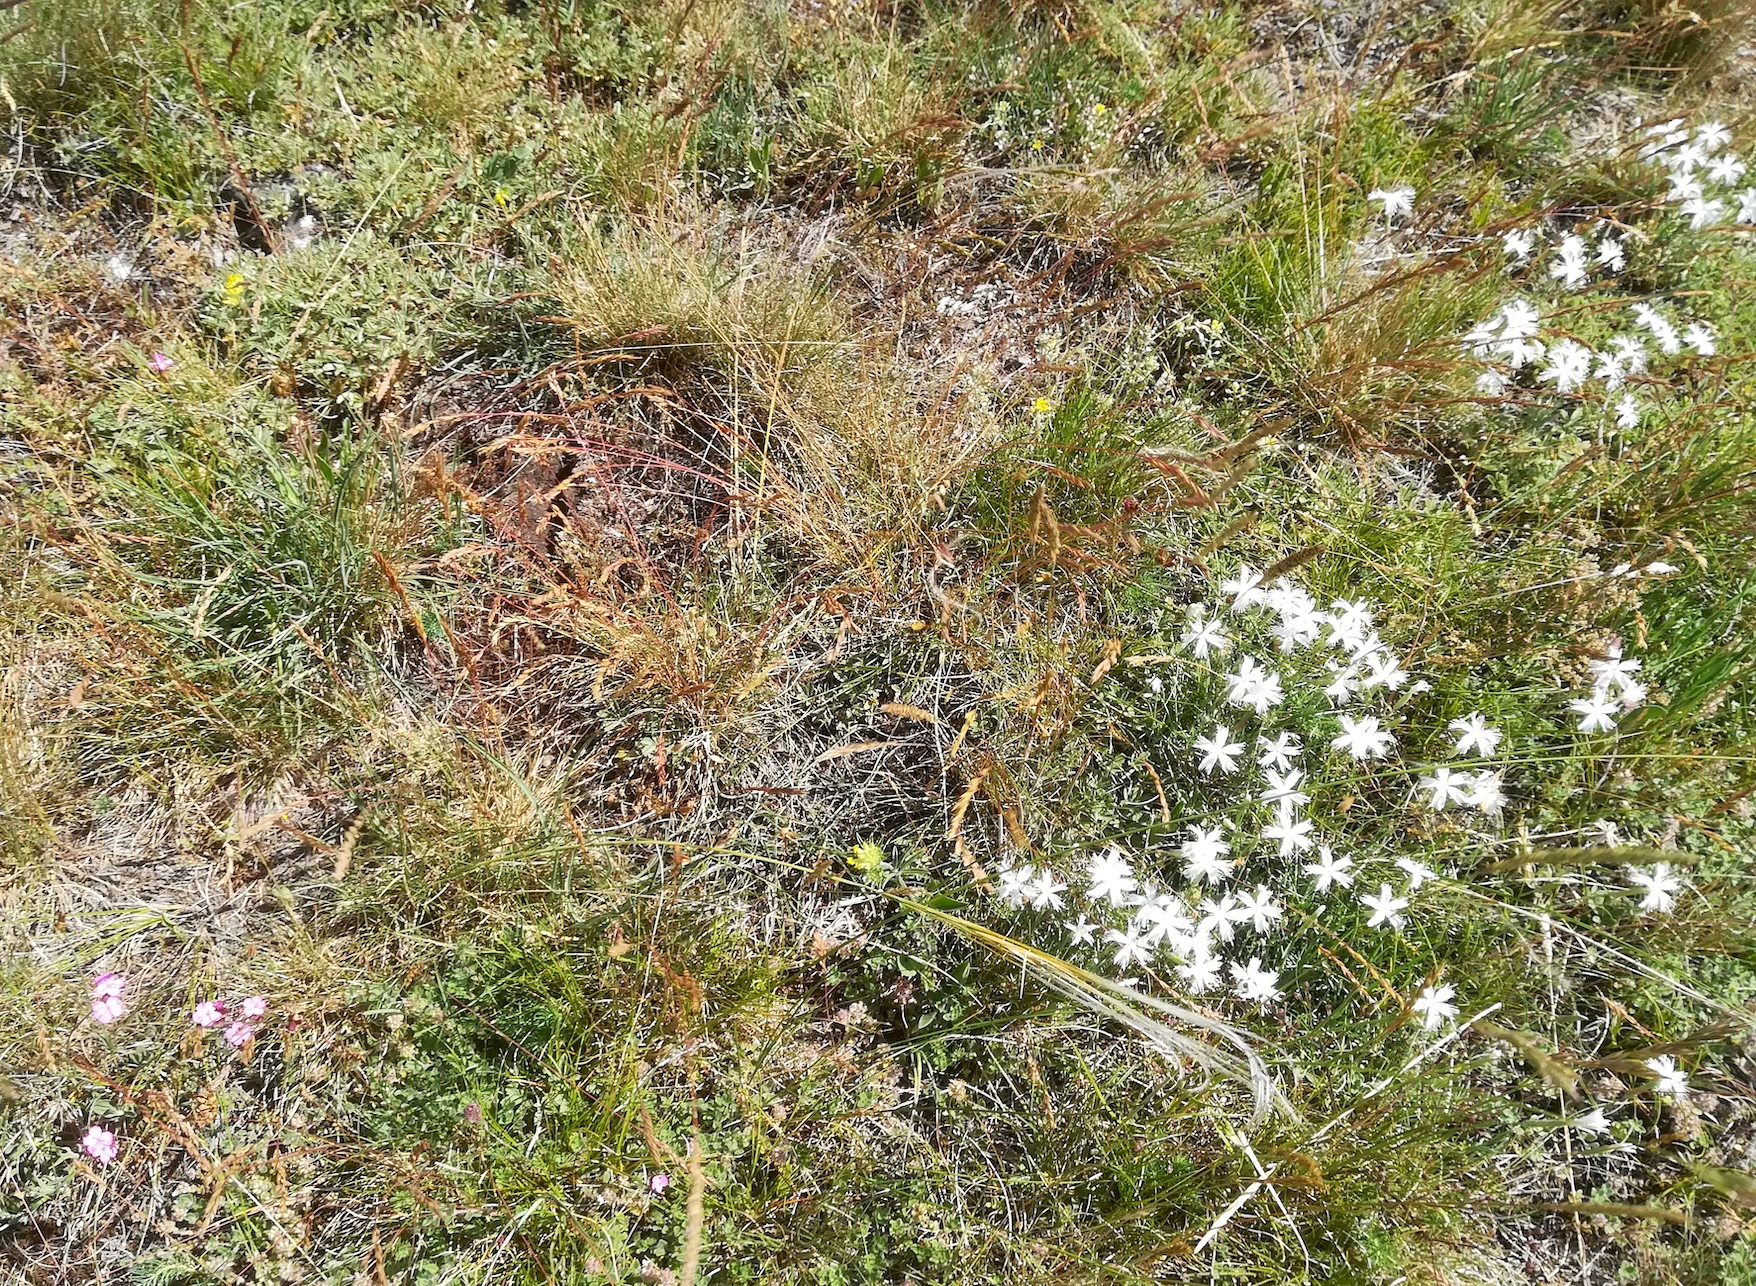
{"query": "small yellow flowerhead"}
{"type": "Point", "coordinates": [1042, 406]}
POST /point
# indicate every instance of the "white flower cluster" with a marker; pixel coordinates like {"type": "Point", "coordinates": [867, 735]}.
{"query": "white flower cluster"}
{"type": "Point", "coordinates": [1614, 689]}
{"type": "Point", "coordinates": [1201, 929]}
{"type": "Point", "coordinates": [1203, 926]}
{"type": "Point", "coordinates": [1510, 342]}
{"type": "Point", "coordinates": [1704, 172]}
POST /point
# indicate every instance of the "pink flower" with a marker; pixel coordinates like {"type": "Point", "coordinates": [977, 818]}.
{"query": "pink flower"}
{"type": "Point", "coordinates": [99, 1145]}
{"type": "Point", "coordinates": [160, 362]}
{"type": "Point", "coordinates": [210, 1013]}
{"type": "Point", "coordinates": [658, 1183]}
{"type": "Point", "coordinates": [107, 1004]}
{"type": "Point", "coordinates": [239, 1033]}
{"type": "Point", "coordinates": [254, 1007]}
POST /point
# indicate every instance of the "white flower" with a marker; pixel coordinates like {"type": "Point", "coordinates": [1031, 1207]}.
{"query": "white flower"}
{"type": "Point", "coordinates": [1595, 713]}
{"type": "Point", "coordinates": [1218, 750]}
{"type": "Point", "coordinates": [1252, 685]}
{"type": "Point", "coordinates": [1045, 893]}
{"type": "Point", "coordinates": [1386, 671]}
{"type": "Point", "coordinates": [1612, 253]}
{"type": "Point", "coordinates": [1661, 887]}
{"type": "Point", "coordinates": [1398, 202]}
{"type": "Point", "coordinates": [1345, 683]}
{"type": "Point", "coordinates": [1669, 342]}
{"type": "Point", "coordinates": [1522, 319]}
{"type": "Point", "coordinates": [1294, 837]}
{"type": "Point", "coordinates": [1702, 212]}
{"type": "Point", "coordinates": [1245, 588]}
{"type": "Point", "coordinates": [1487, 792]}
{"type": "Point", "coordinates": [1131, 947]}
{"type": "Point", "coordinates": [1747, 206]}
{"type": "Point", "coordinates": [1700, 337]}
{"type": "Point", "coordinates": [1417, 874]}
{"type": "Point", "coordinates": [1568, 266]}
{"type": "Point", "coordinates": [1202, 972]}
{"type": "Point", "coordinates": [1688, 158]}
{"type": "Point", "coordinates": [119, 268]}
{"type": "Point", "coordinates": [1164, 916]}
{"type": "Point", "coordinates": [1110, 878]}
{"type": "Point", "coordinates": [1082, 930]}
{"type": "Point", "coordinates": [1015, 883]}
{"type": "Point", "coordinates": [1592, 1122]}
{"type": "Point", "coordinates": [1671, 1079]}
{"type": "Point", "coordinates": [1350, 625]}
{"type": "Point", "coordinates": [1725, 169]}
{"type": "Point", "coordinates": [1685, 187]}
{"type": "Point", "coordinates": [1329, 869]}
{"type": "Point", "coordinates": [1363, 738]}
{"type": "Point", "coordinates": [1258, 910]}
{"type": "Point", "coordinates": [1612, 670]}
{"type": "Point", "coordinates": [1473, 734]}
{"type": "Point", "coordinates": [1663, 137]}
{"type": "Point", "coordinates": [1205, 635]}
{"type": "Point", "coordinates": [1434, 1005]}
{"type": "Point", "coordinates": [1299, 629]}
{"type": "Point", "coordinates": [1569, 365]}
{"type": "Point", "coordinates": [1491, 383]}
{"type": "Point", "coordinates": [1627, 412]}
{"type": "Point", "coordinates": [1386, 909]}
{"type": "Point", "coordinates": [1630, 353]}
{"type": "Point", "coordinates": [1279, 752]}
{"type": "Point", "coordinates": [1253, 982]}
{"type": "Point", "coordinates": [1283, 789]}
{"type": "Point", "coordinates": [1216, 918]}
{"type": "Point", "coordinates": [1519, 244]}
{"type": "Point", "coordinates": [1633, 693]}
{"type": "Point", "coordinates": [1204, 855]}
{"type": "Point", "coordinates": [1445, 786]}
{"type": "Point", "coordinates": [1713, 134]}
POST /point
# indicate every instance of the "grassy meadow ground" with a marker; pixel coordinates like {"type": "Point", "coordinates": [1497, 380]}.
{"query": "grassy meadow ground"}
{"type": "Point", "coordinates": [571, 546]}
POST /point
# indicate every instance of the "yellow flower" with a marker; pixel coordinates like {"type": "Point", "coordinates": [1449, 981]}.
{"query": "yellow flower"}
{"type": "Point", "coordinates": [501, 197]}
{"type": "Point", "coordinates": [1042, 406]}
{"type": "Point", "coordinates": [1036, 145]}
{"type": "Point", "coordinates": [234, 287]}
{"type": "Point", "coordinates": [1098, 109]}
